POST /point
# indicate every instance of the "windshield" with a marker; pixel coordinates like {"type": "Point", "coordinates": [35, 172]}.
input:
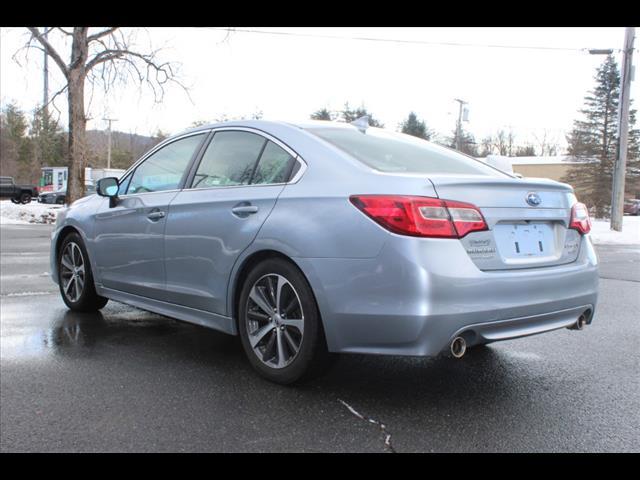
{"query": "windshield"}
{"type": "Point", "coordinates": [398, 153]}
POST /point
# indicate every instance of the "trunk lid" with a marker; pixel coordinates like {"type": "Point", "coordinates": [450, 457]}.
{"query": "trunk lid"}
{"type": "Point", "coordinates": [528, 220]}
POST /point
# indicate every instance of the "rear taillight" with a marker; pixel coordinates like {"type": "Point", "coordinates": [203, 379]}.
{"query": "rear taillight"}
{"type": "Point", "coordinates": [421, 216]}
{"type": "Point", "coordinates": [580, 218]}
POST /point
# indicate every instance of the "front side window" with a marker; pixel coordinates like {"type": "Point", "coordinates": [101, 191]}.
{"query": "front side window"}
{"type": "Point", "coordinates": [123, 185]}
{"type": "Point", "coordinates": [275, 165]}
{"type": "Point", "coordinates": [229, 159]}
{"type": "Point", "coordinates": [164, 169]}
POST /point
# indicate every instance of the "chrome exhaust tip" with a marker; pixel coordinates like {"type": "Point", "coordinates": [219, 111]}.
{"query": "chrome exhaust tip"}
{"type": "Point", "coordinates": [580, 323]}
{"type": "Point", "coordinates": [458, 347]}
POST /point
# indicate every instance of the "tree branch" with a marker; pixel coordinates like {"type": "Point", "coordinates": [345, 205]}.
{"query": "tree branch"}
{"type": "Point", "coordinates": [106, 55]}
{"type": "Point", "coordinates": [98, 35]}
{"type": "Point", "coordinates": [50, 50]}
{"type": "Point", "coordinates": [70, 34]}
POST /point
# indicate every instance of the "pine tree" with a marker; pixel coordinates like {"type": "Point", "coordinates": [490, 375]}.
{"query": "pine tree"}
{"type": "Point", "coordinates": [349, 115]}
{"type": "Point", "coordinates": [322, 114]}
{"type": "Point", "coordinates": [415, 127]}
{"type": "Point", "coordinates": [594, 142]}
{"type": "Point", "coordinates": [17, 146]}
{"type": "Point", "coordinates": [49, 140]}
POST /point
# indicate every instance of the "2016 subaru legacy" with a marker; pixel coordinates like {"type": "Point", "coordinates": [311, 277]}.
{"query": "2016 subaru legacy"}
{"type": "Point", "coordinates": [321, 237]}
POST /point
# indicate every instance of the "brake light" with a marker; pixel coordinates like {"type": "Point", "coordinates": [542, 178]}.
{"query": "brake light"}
{"type": "Point", "coordinates": [580, 218]}
{"type": "Point", "coordinates": [421, 216]}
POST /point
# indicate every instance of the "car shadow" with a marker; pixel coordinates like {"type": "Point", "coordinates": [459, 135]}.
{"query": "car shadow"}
{"type": "Point", "coordinates": [484, 374]}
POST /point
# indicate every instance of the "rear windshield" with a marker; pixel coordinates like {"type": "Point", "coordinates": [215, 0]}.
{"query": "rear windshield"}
{"type": "Point", "coordinates": [398, 153]}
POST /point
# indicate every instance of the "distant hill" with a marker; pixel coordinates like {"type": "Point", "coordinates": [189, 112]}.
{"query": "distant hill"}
{"type": "Point", "coordinates": [126, 148]}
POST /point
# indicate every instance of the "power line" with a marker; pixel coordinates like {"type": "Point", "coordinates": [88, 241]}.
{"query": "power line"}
{"type": "Point", "coordinates": [401, 41]}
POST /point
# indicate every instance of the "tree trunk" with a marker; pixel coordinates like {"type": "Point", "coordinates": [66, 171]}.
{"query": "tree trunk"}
{"type": "Point", "coordinates": [77, 118]}
{"type": "Point", "coordinates": [77, 137]}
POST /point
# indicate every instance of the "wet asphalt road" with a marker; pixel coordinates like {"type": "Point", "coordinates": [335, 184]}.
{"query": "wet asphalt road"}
{"type": "Point", "coordinates": [127, 380]}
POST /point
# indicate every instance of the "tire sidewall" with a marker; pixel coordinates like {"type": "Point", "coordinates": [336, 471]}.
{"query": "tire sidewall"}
{"type": "Point", "coordinates": [312, 330]}
{"type": "Point", "coordinates": [88, 291]}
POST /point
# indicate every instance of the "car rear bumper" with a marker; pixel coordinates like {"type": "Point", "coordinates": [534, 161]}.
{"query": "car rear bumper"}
{"type": "Point", "coordinates": [418, 294]}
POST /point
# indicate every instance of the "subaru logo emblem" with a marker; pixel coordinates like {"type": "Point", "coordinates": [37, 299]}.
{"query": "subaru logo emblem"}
{"type": "Point", "coordinates": [533, 199]}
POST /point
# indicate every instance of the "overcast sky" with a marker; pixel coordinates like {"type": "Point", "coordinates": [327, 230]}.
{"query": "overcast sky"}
{"type": "Point", "coordinates": [288, 77]}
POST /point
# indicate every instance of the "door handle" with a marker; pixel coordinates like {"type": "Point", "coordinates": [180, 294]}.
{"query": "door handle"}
{"type": "Point", "coordinates": [244, 210]}
{"type": "Point", "coordinates": [157, 215]}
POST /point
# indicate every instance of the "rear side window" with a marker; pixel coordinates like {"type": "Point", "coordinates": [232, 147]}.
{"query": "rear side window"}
{"type": "Point", "coordinates": [275, 165]}
{"type": "Point", "coordinates": [229, 159]}
{"type": "Point", "coordinates": [398, 153]}
{"type": "Point", "coordinates": [163, 170]}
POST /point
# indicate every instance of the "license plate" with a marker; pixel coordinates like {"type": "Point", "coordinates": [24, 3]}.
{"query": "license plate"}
{"type": "Point", "coordinates": [526, 240]}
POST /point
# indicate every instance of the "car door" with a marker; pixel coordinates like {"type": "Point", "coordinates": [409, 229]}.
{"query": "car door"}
{"type": "Point", "coordinates": [128, 237]}
{"type": "Point", "coordinates": [230, 195]}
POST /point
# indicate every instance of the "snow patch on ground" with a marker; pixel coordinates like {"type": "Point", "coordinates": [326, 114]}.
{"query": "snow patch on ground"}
{"type": "Point", "coordinates": [630, 234]}
{"type": "Point", "coordinates": [12, 214]}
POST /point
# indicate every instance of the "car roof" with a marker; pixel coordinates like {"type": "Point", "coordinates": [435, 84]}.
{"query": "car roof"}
{"type": "Point", "coordinates": [266, 125]}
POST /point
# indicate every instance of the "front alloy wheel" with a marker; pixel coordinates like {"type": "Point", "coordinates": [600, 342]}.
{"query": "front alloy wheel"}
{"type": "Point", "coordinates": [75, 278]}
{"type": "Point", "coordinates": [72, 272]}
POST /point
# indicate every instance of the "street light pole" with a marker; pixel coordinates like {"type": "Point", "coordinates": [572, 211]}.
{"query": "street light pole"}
{"type": "Point", "coordinates": [617, 203]}
{"type": "Point", "coordinates": [109, 140]}
{"type": "Point", "coordinates": [459, 126]}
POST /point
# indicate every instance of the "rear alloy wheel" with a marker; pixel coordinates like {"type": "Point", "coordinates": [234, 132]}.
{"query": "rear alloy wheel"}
{"type": "Point", "coordinates": [279, 323]}
{"type": "Point", "coordinates": [25, 198]}
{"type": "Point", "coordinates": [75, 278]}
{"type": "Point", "coordinates": [275, 321]}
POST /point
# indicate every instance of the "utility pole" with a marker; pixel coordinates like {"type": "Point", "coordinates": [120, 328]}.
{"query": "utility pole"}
{"type": "Point", "coordinates": [45, 98]}
{"type": "Point", "coordinates": [617, 203]}
{"type": "Point", "coordinates": [459, 125]}
{"type": "Point", "coordinates": [109, 140]}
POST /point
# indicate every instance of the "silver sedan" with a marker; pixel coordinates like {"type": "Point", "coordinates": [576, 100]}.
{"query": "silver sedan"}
{"type": "Point", "coordinates": [319, 237]}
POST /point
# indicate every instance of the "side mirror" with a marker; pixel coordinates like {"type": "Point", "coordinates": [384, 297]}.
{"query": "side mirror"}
{"type": "Point", "coordinates": [108, 187]}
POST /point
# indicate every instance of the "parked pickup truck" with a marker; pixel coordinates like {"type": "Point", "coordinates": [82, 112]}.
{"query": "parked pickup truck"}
{"type": "Point", "coordinates": [17, 193]}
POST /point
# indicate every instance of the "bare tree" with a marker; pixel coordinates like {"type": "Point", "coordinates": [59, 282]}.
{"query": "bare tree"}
{"type": "Point", "coordinates": [503, 142]}
{"type": "Point", "coordinates": [547, 142]}
{"type": "Point", "coordinates": [105, 56]}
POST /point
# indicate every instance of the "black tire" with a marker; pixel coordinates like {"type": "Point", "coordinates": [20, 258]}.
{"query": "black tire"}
{"type": "Point", "coordinates": [312, 358]}
{"type": "Point", "coordinates": [15, 200]}
{"type": "Point", "coordinates": [88, 300]}
{"type": "Point", "coordinates": [60, 201]}
{"type": "Point", "coordinates": [25, 198]}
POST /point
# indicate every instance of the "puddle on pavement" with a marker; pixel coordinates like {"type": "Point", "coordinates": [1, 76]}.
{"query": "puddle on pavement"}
{"type": "Point", "coordinates": [70, 333]}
